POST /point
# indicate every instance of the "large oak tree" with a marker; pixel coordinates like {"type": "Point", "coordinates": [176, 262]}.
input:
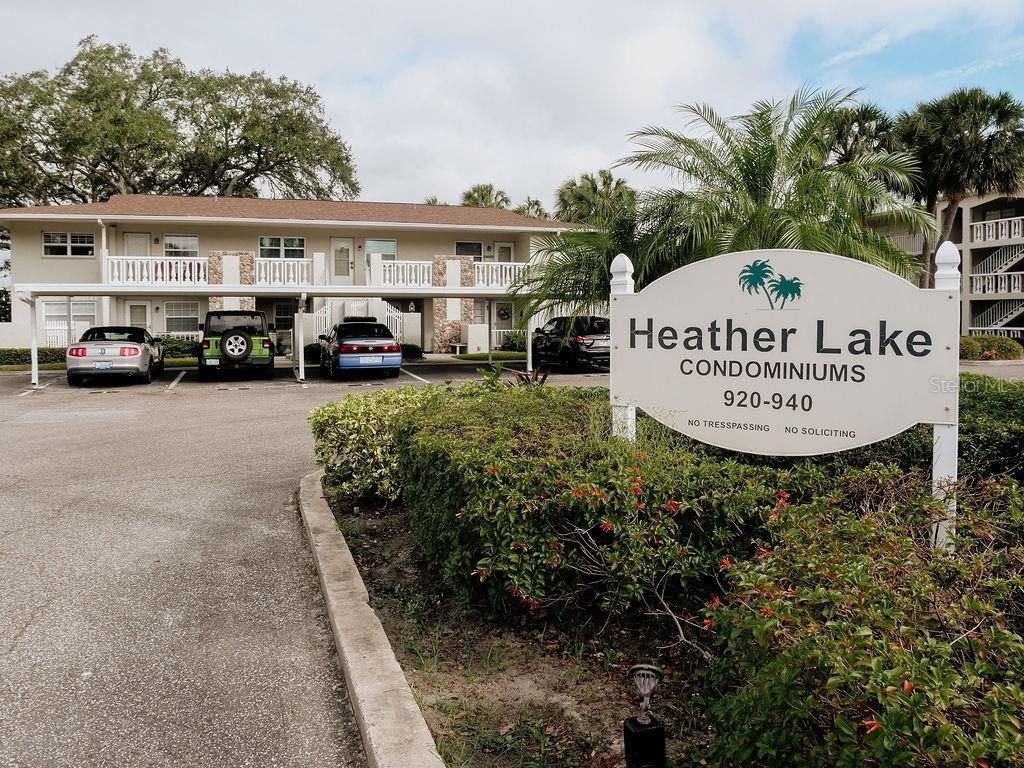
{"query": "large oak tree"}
{"type": "Point", "coordinates": [111, 121]}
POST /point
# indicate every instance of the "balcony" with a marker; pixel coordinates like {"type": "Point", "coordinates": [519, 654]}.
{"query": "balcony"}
{"type": "Point", "coordinates": [909, 243]}
{"type": "Point", "coordinates": [998, 229]}
{"type": "Point", "coordinates": [497, 274]}
{"type": "Point", "coordinates": [284, 271]}
{"type": "Point", "coordinates": [157, 270]}
{"type": "Point", "coordinates": [998, 282]}
{"type": "Point", "coordinates": [400, 274]}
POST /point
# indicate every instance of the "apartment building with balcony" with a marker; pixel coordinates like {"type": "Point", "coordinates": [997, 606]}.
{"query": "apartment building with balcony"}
{"type": "Point", "coordinates": [155, 261]}
{"type": "Point", "coordinates": [989, 232]}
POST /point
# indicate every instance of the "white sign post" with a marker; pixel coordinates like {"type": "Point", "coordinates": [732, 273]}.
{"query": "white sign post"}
{"type": "Point", "coordinates": [790, 353]}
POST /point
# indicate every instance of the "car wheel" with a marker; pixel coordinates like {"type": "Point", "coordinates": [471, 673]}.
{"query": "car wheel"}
{"type": "Point", "coordinates": [393, 372]}
{"type": "Point", "coordinates": [566, 361]}
{"type": "Point", "coordinates": [147, 375]}
{"type": "Point", "coordinates": [236, 345]}
{"type": "Point", "coordinates": [74, 381]}
{"type": "Point", "coordinates": [158, 371]}
{"type": "Point", "coordinates": [332, 370]}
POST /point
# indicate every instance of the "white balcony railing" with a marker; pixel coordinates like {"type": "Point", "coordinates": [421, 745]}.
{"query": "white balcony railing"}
{"type": "Point", "coordinates": [909, 243]}
{"type": "Point", "coordinates": [998, 229]}
{"type": "Point", "coordinates": [1013, 333]}
{"type": "Point", "coordinates": [157, 270]}
{"type": "Point", "coordinates": [497, 274]}
{"type": "Point", "coordinates": [999, 282]}
{"type": "Point", "coordinates": [284, 271]}
{"type": "Point", "coordinates": [400, 274]}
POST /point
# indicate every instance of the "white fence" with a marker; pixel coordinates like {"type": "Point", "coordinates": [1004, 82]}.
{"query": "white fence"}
{"type": "Point", "coordinates": [497, 274]}
{"type": "Point", "coordinates": [998, 229]}
{"type": "Point", "coordinates": [129, 270]}
{"type": "Point", "coordinates": [909, 243]}
{"type": "Point", "coordinates": [1013, 333]}
{"type": "Point", "coordinates": [401, 274]}
{"type": "Point", "coordinates": [284, 271]}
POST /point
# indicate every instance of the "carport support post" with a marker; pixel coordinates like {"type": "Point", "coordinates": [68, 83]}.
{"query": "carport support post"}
{"type": "Point", "coordinates": [34, 342]}
{"type": "Point", "coordinates": [946, 437]}
{"type": "Point", "coordinates": [490, 331]}
{"type": "Point", "coordinates": [302, 338]}
{"type": "Point", "coordinates": [623, 416]}
{"type": "Point", "coordinates": [70, 339]}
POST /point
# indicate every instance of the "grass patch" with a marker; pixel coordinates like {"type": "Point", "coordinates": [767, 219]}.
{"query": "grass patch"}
{"type": "Point", "coordinates": [498, 354]}
{"type": "Point", "coordinates": [42, 367]}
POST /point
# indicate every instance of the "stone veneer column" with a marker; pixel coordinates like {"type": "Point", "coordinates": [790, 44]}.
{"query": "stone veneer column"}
{"type": "Point", "coordinates": [237, 266]}
{"type": "Point", "coordinates": [448, 330]}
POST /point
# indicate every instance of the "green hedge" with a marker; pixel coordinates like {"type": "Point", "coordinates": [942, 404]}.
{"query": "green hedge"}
{"type": "Point", "coordinates": [990, 348]}
{"type": "Point", "coordinates": [849, 641]}
{"type": "Point", "coordinates": [412, 352]}
{"type": "Point", "coordinates": [18, 356]}
{"type": "Point", "coordinates": [175, 346]}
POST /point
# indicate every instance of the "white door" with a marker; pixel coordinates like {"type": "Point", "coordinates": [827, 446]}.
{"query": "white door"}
{"type": "Point", "coordinates": [139, 313]}
{"type": "Point", "coordinates": [504, 251]}
{"type": "Point", "coordinates": [136, 244]}
{"type": "Point", "coordinates": [343, 261]}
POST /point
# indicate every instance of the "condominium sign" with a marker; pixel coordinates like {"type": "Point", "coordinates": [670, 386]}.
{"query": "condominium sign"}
{"type": "Point", "coordinates": [786, 352]}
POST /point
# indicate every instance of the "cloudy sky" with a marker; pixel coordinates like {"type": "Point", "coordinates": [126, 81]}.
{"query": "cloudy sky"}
{"type": "Point", "coordinates": [435, 96]}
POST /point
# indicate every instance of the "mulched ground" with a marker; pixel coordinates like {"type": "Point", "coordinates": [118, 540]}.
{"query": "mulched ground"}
{"type": "Point", "coordinates": [494, 695]}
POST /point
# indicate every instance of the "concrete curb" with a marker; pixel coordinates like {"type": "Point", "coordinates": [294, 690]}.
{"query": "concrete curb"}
{"type": "Point", "coordinates": [395, 735]}
{"type": "Point", "coordinates": [985, 363]}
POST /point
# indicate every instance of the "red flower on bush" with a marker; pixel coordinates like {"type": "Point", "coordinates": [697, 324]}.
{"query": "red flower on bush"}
{"type": "Point", "coordinates": [673, 506]}
{"type": "Point", "coordinates": [767, 612]}
{"type": "Point", "coordinates": [714, 602]}
{"type": "Point", "coordinates": [607, 526]}
{"type": "Point", "coordinates": [577, 492]}
{"type": "Point", "coordinates": [492, 470]}
{"type": "Point", "coordinates": [708, 624]}
{"type": "Point", "coordinates": [482, 573]}
{"type": "Point", "coordinates": [774, 516]}
{"type": "Point", "coordinates": [518, 546]}
{"type": "Point", "coordinates": [725, 563]}
{"type": "Point", "coordinates": [555, 545]}
{"type": "Point", "coordinates": [872, 725]}
{"type": "Point", "coordinates": [639, 505]}
{"type": "Point", "coordinates": [763, 553]}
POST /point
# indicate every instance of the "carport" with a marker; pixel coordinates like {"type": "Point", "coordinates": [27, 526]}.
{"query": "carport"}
{"type": "Point", "coordinates": [29, 292]}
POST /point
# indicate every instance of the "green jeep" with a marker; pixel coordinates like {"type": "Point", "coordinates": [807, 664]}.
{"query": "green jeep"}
{"type": "Point", "coordinates": [235, 339]}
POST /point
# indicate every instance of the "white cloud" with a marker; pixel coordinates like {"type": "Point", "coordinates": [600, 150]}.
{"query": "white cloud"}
{"type": "Point", "coordinates": [436, 96]}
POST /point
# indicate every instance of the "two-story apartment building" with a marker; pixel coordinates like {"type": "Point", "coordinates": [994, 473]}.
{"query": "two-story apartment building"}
{"type": "Point", "coordinates": [989, 231]}
{"type": "Point", "coordinates": [155, 261]}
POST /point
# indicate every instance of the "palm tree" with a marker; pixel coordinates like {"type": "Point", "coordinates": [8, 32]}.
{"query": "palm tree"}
{"type": "Point", "coordinates": [590, 196]}
{"type": "Point", "coordinates": [860, 130]}
{"type": "Point", "coordinates": [531, 207]}
{"type": "Point", "coordinates": [766, 179]}
{"type": "Point", "coordinates": [785, 288]}
{"type": "Point", "coordinates": [433, 200]}
{"type": "Point", "coordinates": [486, 196]}
{"type": "Point", "coordinates": [969, 142]}
{"type": "Point", "coordinates": [754, 277]}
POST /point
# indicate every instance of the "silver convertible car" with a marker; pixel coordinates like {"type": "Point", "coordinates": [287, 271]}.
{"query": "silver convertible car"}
{"type": "Point", "coordinates": [115, 349]}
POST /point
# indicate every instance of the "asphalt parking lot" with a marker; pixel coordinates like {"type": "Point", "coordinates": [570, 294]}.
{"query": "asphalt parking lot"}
{"type": "Point", "coordinates": [160, 604]}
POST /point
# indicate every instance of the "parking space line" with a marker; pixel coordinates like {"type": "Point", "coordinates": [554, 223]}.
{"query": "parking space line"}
{"type": "Point", "coordinates": [418, 378]}
{"type": "Point", "coordinates": [37, 387]}
{"type": "Point", "coordinates": [174, 383]}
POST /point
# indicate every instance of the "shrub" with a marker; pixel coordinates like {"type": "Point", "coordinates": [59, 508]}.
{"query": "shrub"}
{"type": "Point", "coordinates": [412, 351]}
{"type": "Point", "coordinates": [518, 496]}
{"type": "Point", "coordinates": [514, 341]}
{"type": "Point", "coordinates": [354, 440]}
{"type": "Point", "coordinates": [175, 346]}
{"type": "Point", "coordinates": [849, 641]}
{"type": "Point", "coordinates": [970, 348]}
{"type": "Point", "coordinates": [18, 356]}
{"type": "Point", "coordinates": [999, 348]}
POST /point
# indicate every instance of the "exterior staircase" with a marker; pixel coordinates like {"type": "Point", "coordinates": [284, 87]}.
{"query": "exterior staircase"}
{"type": "Point", "coordinates": [998, 314]}
{"type": "Point", "coordinates": [1000, 260]}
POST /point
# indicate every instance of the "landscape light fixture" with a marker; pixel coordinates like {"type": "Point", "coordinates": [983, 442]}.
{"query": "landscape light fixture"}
{"type": "Point", "coordinates": [644, 735]}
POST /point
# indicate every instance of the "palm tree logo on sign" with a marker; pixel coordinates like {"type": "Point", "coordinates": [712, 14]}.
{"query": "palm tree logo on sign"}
{"type": "Point", "coordinates": [759, 277]}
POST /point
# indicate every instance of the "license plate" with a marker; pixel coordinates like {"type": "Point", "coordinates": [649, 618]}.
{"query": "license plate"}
{"type": "Point", "coordinates": [213, 361]}
{"type": "Point", "coordinates": [371, 359]}
{"type": "Point", "coordinates": [601, 343]}
{"type": "Point", "coordinates": [106, 364]}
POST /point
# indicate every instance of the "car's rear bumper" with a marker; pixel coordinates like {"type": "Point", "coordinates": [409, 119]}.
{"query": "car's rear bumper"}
{"type": "Point", "coordinates": [217, 363]}
{"type": "Point", "coordinates": [81, 367]}
{"type": "Point", "coordinates": [594, 356]}
{"type": "Point", "coordinates": [356, 362]}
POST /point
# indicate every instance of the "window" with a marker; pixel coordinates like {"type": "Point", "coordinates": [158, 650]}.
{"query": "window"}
{"type": "Point", "coordinates": [181, 316]}
{"type": "Point", "coordinates": [363, 331]}
{"type": "Point", "coordinates": [252, 323]}
{"type": "Point", "coordinates": [75, 245]}
{"type": "Point", "coordinates": [81, 311]}
{"type": "Point", "coordinates": [284, 316]}
{"type": "Point", "coordinates": [388, 249]}
{"type": "Point", "coordinates": [282, 247]}
{"type": "Point", "coordinates": [479, 311]}
{"type": "Point", "coordinates": [134, 335]}
{"type": "Point", "coordinates": [476, 250]}
{"type": "Point", "coordinates": [181, 247]}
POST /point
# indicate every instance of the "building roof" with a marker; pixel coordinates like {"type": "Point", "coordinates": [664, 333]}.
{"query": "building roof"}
{"type": "Point", "coordinates": [173, 207]}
